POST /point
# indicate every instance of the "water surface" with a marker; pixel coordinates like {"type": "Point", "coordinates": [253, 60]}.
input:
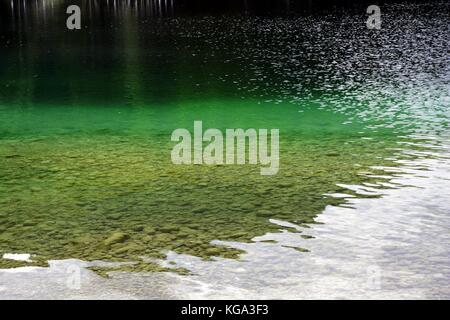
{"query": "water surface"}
{"type": "Point", "coordinates": [86, 119]}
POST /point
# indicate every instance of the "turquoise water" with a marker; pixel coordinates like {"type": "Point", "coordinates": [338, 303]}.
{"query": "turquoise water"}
{"type": "Point", "coordinates": [86, 119]}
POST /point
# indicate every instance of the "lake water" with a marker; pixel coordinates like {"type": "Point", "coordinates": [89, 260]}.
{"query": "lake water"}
{"type": "Point", "coordinates": [359, 206]}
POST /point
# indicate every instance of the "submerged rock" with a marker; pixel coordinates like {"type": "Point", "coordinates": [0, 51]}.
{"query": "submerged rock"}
{"type": "Point", "coordinates": [264, 213]}
{"type": "Point", "coordinates": [199, 210]}
{"type": "Point", "coordinates": [116, 237]}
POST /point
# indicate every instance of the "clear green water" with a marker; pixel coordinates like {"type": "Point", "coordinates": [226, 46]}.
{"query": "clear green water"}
{"type": "Point", "coordinates": [86, 119]}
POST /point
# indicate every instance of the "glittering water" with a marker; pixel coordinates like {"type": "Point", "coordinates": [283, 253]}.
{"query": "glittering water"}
{"type": "Point", "coordinates": [85, 124]}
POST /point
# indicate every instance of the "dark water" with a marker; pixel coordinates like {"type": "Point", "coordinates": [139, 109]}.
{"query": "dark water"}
{"type": "Point", "coordinates": [86, 118]}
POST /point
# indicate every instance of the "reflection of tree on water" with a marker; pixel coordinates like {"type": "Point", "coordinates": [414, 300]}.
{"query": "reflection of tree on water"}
{"type": "Point", "coordinates": [16, 9]}
{"type": "Point", "coordinates": [19, 9]}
